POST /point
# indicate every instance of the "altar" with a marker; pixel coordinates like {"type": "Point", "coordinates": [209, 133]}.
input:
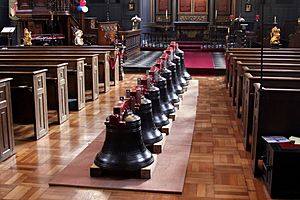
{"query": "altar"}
{"type": "Point", "coordinates": [191, 30]}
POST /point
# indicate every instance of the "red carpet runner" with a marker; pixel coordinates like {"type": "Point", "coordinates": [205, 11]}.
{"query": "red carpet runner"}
{"type": "Point", "coordinates": [199, 62]}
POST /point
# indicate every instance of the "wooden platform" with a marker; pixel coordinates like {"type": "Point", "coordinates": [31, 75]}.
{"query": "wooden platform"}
{"type": "Point", "coordinates": [167, 128]}
{"type": "Point", "coordinates": [171, 166]}
{"type": "Point", "coordinates": [158, 147]}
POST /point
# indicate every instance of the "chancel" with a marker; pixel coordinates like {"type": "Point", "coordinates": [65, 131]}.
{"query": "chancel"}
{"type": "Point", "coordinates": [156, 99]}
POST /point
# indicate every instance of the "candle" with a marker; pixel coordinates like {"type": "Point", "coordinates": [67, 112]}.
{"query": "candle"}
{"type": "Point", "coordinates": [275, 19]}
{"type": "Point", "coordinates": [166, 14]}
{"type": "Point", "coordinates": [216, 14]}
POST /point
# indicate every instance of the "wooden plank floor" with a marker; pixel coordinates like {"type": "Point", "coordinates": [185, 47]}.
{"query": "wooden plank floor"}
{"type": "Point", "coordinates": [219, 168]}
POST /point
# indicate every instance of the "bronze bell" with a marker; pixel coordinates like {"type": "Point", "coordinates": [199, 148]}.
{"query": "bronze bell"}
{"type": "Point", "coordinates": [167, 74]}
{"type": "Point", "coordinates": [166, 105]}
{"type": "Point", "coordinates": [160, 119]}
{"type": "Point", "coordinates": [180, 77]}
{"type": "Point", "coordinates": [180, 53]}
{"type": "Point", "coordinates": [150, 133]}
{"type": "Point", "coordinates": [123, 148]}
{"type": "Point", "coordinates": [172, 67]}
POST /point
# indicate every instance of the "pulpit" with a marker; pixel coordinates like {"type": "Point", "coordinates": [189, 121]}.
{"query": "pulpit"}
{"type": "Point", "coordinates": [107, 32]}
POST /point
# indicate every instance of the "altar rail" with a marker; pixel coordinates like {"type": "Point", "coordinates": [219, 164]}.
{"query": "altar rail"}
{"type": "Point", "coordinates": [157, 40]}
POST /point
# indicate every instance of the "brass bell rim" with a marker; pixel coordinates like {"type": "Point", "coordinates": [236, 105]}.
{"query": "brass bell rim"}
{"type": "Point", "coordinates": [109, 161]}
{"type": "Point", "coordinates": [175, 100]}
{"type": "Point", "coordinates": [182, 82]}
{"type": "Point", "coordinates": [160, 121]}
{"type": "Point", "coordinates": [152, 136]}
{"type": "Point", "coordinates": [179, 91]}
{"type": "Point", "coordinates": [169, 111]}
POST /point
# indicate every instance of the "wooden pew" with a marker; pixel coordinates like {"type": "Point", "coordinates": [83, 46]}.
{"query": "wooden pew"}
{"type": "Point", "coordinates": [276, 113]}
{"type": "Point", "coordinates": [113, 57]}
{"type": "Point", "coordinates": [269, 59]}
{"type": "Point", "coordinates": [237, 57]}
{"type": "Point", "coordinates": [275, 79]}
{"type": "Point", "coordinates": [230, 53]}
{"type": "Point", "coordinates": [29, 99]}
{"type": "Point", "coordinates": [91, 67]}
{"type": "Point", "coordinates": [57, 86]}
{"type": "Point", "coordinates": [7, 147]}
{"type": "Point", "coordinates": [242, 67]}
{"type": "Point", "coordinates": [258, 49]}
{"type": "Point", "coordinates": [103, 69]}
{"type": "Point", "coordinates": [76, 79]}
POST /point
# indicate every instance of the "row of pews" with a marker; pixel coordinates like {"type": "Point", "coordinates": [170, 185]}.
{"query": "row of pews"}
{"type": "Point", "coordinates": [39, 79]}
{"type": "Point", "coordinates": [267, 106]}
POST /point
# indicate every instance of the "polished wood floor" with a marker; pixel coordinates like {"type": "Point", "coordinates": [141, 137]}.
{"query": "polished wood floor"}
{"type": "Point", "coordinates": [218, 168]}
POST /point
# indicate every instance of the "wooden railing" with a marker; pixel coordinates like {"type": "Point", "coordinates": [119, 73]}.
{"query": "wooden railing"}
{"type": "Point", "coordinates": [157, 40]}
{"type": "Point", "coordinates": [214, 38]}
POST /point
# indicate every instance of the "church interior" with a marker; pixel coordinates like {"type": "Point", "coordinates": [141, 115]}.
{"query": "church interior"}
{"type": "Point", "coordinates": [149, 99]}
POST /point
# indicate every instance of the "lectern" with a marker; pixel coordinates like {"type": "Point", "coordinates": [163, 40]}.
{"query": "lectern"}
{"type": "Point", "coordinates": [8, 31]}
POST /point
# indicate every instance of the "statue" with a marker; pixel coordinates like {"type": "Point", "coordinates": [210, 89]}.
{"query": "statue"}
{"type": "Point", "coordinates": [275, 37]}
{"type": "Point", "coordinates": [27, 37]}
{"type": "Point", "coordinates": [135, 22]}
{"type": "Point", "coordinates": [78, 34]}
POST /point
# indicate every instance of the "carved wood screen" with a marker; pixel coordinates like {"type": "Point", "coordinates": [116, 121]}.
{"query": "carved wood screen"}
{"type": "Point", "coordinates": [163, 10]}
{"type": "Point", "coordinates": [192, 10]}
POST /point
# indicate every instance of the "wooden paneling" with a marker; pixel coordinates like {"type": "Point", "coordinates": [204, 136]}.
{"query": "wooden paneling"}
{"type": "Point", "coordinates": [185, 6]}
{"type": "Point", "coordinates": [7, 144]}
{"type": "Point", "coordinates": [192, 10]}
{"type": "Point", "coordinates": [223, 7]}
{"type": "Point", "coordinates": [163, 5]}
{"type": "Point", "coordinates": [40, 101]}
{"type": "Point", "coordinates": [200, 6]}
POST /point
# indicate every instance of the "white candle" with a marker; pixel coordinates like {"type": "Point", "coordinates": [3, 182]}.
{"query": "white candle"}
{"type": "Point", "coordinates": [275, 19]}
{"type": "Point", "coordinates": [216, 14]}
{"type": "Point", "coordinates": [166, 14]}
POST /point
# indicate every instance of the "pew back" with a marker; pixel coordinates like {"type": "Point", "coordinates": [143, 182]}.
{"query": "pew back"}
{"type": "Point", "coordinates": [56, 82]}
{"type": "Point", "coordinates": [30, 87]}
{"type": "Point", "coordinates": [282, 121]}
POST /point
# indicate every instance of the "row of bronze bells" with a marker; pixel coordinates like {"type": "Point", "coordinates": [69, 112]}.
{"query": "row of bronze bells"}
{"type": "Point", "coordinates": [128, 135]}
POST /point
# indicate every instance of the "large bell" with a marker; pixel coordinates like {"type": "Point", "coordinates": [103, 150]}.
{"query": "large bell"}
{"type": "Point", "coordinates": [166, 105]}
{"type": "Point", "coordinates": [172, 67]}
{"type": "Point", "coordinates": [167, 74]}
{"type": "Point", "coordinates": [123, 149]}
{"type": "Point", "coordinates": [180, 77]}
{"type": "Point", "coordinates": [160, 119]}
{"type": "Point", "coordinates": [150, 133]}
{"type": "Point", "coordinates": [180, 53]}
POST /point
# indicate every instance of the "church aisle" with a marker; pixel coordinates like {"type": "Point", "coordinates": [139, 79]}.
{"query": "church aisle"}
{"type": "Point", "coordinates": [218, 168]}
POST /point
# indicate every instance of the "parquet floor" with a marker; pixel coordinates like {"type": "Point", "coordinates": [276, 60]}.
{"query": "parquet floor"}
{"type": "Point", "coordinates": [218, 165]}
